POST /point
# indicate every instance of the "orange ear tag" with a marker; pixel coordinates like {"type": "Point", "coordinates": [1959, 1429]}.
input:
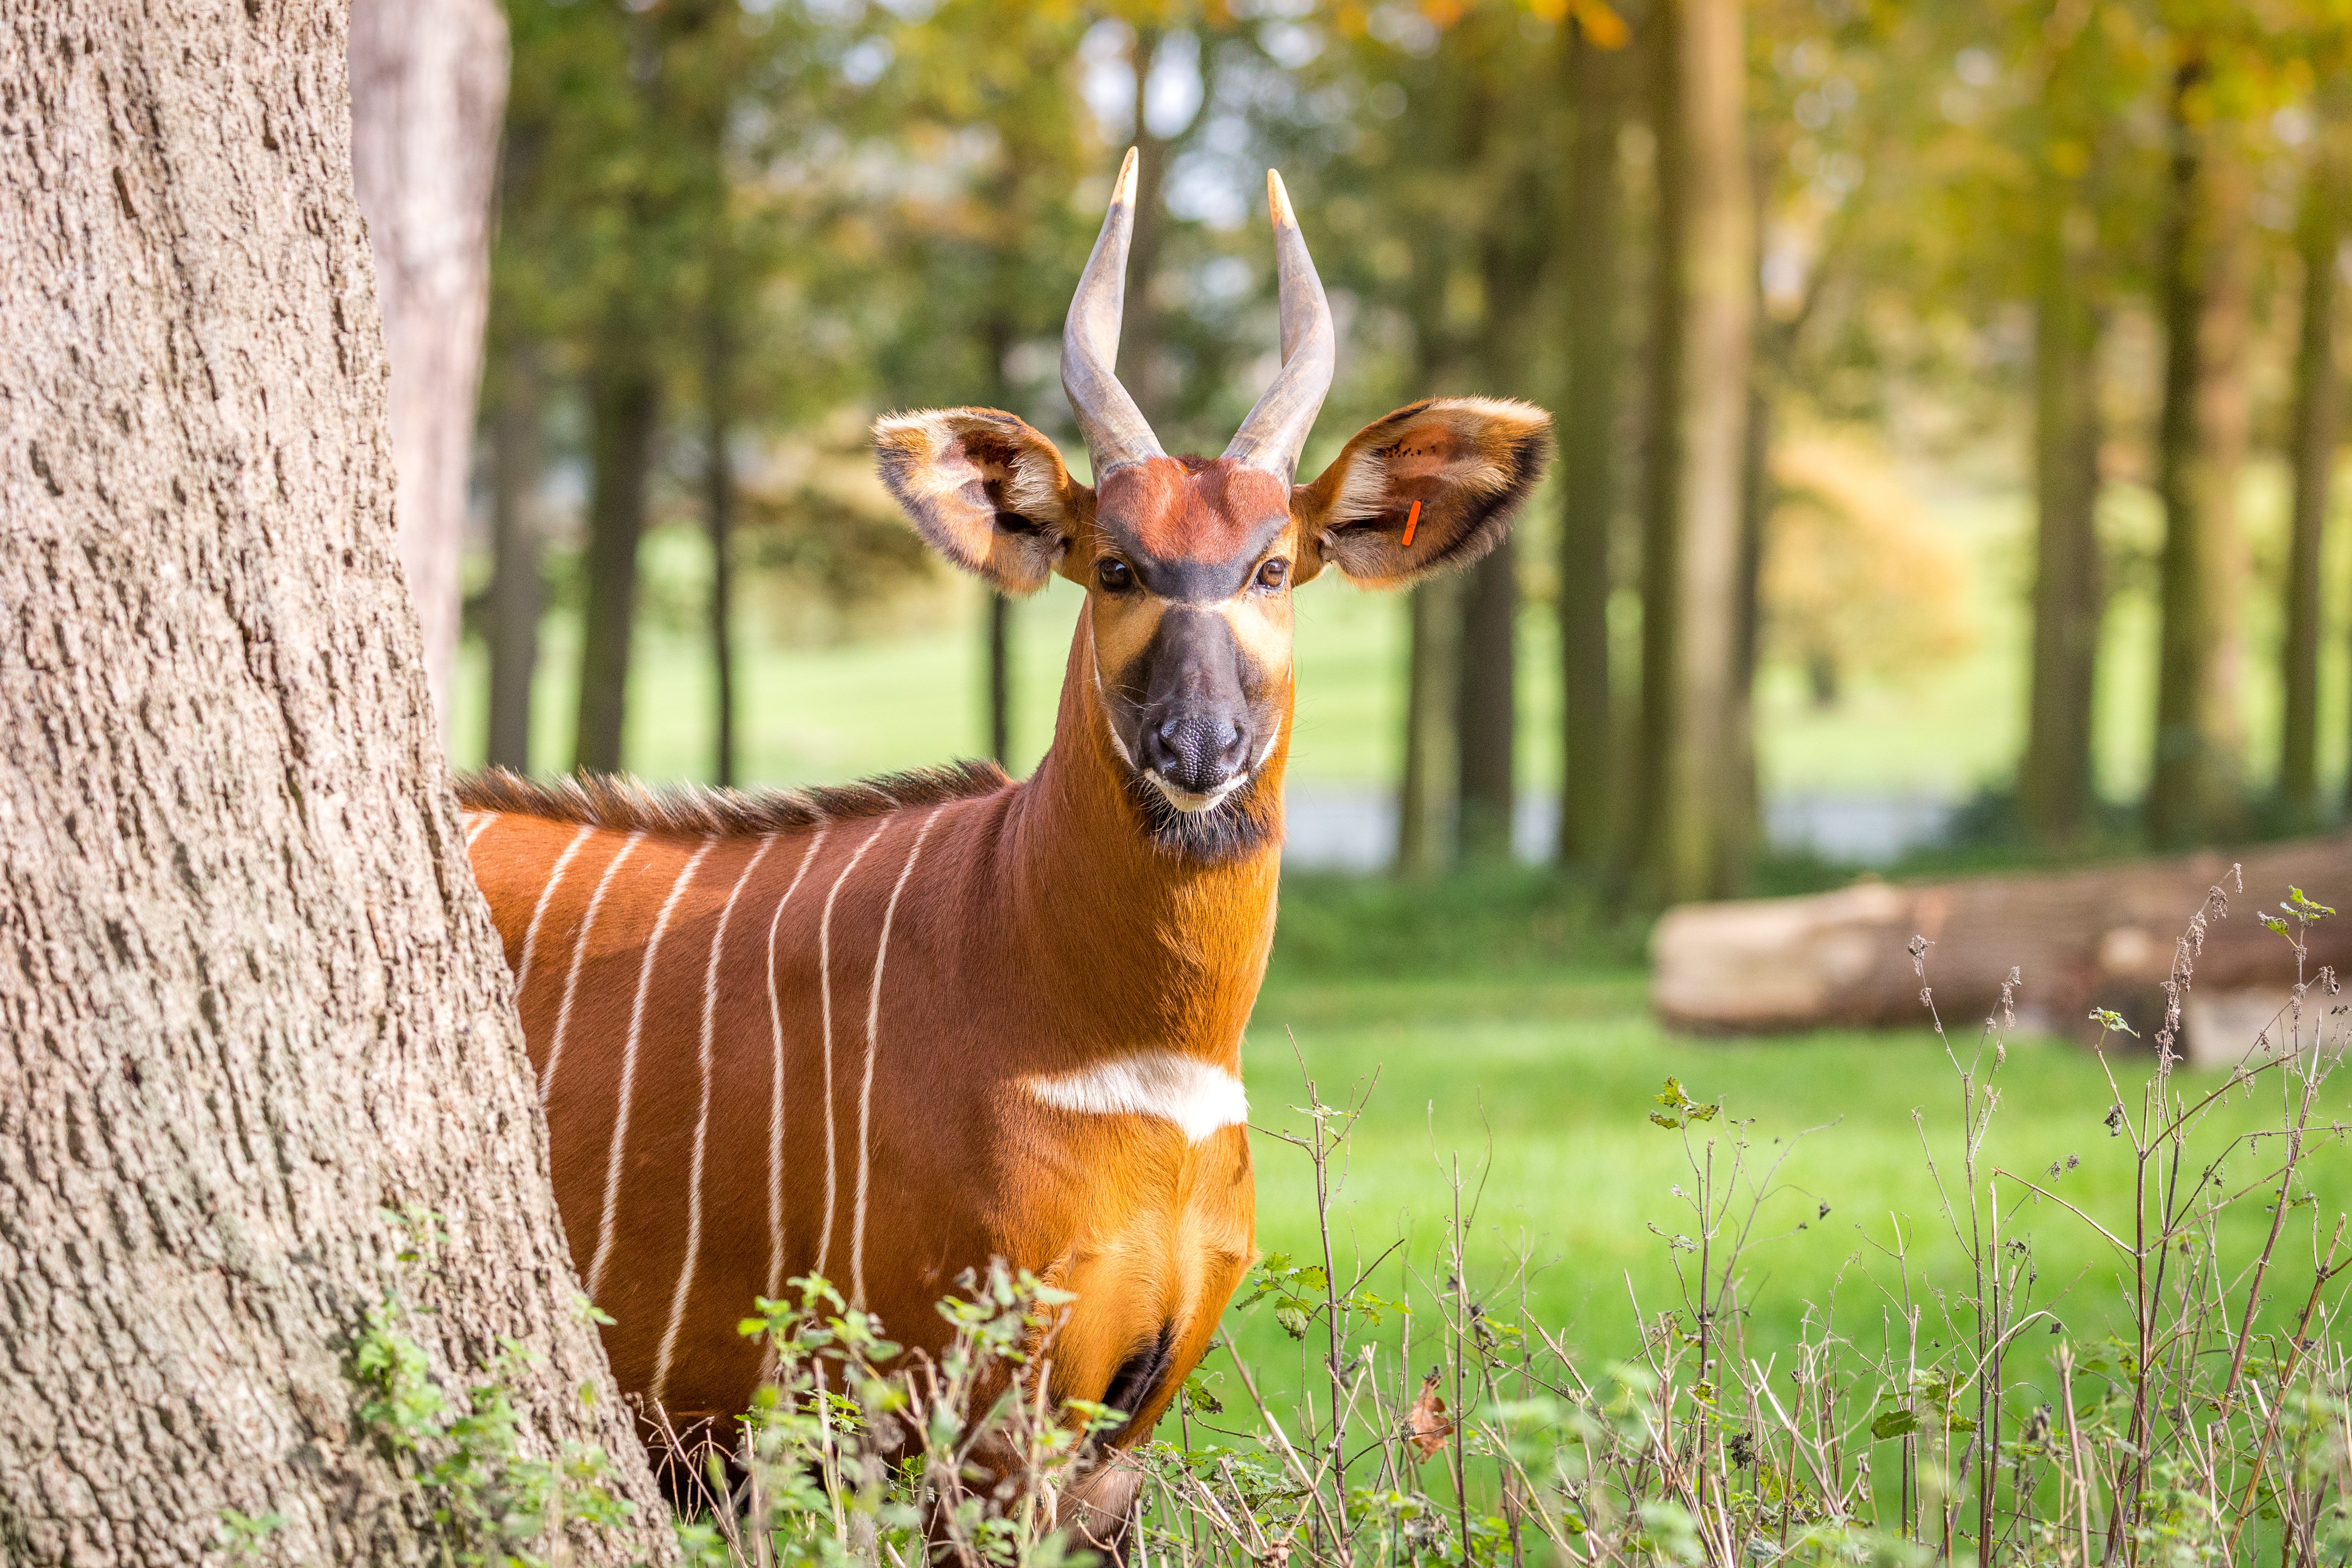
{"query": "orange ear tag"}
{"type": "Point", "coordinates": [1412, 521]}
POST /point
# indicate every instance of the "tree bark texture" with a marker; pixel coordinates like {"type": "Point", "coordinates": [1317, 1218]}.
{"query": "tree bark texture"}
{"type": "Point", "coordinates": [2317, 369]}
{"type": "Point", "coordinates": [2196, 779]}
{"type": "Point", "coordinates": [249, 996]}
{"type": "Point", "coordinates": [1712, 266]}
{"type": "Point", "coordinates": [2104, 937]}
{"type": "Point", "coordinates": [1588, 476]}
{"type": "Point", "coordinates": [428, 90]}
{"type": "Point", "coordinates": [624, 409]}
{"type": "Point", "coordinates": [516, 589]}
{"type": "Point", "coordinates": [1142, 369]}
{"type": "Point", "coordinates": [2054, 779]}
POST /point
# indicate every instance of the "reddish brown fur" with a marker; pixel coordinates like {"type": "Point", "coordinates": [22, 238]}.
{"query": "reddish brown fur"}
{"type": "Point", "coordinates": [1038, 933]}
{"type": "Point", "coordinates": [1185, 508]}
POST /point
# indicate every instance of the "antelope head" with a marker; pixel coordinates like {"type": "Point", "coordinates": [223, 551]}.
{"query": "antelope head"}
{"type": "Point", "coordinates": [1188, 563]}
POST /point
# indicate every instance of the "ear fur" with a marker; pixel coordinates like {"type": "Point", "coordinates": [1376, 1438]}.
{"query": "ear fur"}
{"type": "Point", "coordinates": [1469, 461]}
{"type": "Point", "coordinates": [985, 490]}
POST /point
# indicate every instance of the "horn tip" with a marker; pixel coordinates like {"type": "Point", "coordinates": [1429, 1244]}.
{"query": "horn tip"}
{"type": "Point", "coordinates": [1123, 190]}
{"type": "Point", "coordinates": [1277, 201]}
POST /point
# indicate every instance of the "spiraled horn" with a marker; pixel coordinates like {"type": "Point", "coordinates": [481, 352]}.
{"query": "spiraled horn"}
{"type": "Point", "coordinates": [1276, 431]}
{"type": "Point", "coordinates": [1114, 427]}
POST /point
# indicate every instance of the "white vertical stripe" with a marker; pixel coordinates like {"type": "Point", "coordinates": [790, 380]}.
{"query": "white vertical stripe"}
{"type": "Point", "coordinates": [578, 954]}
{"type": "Point", "coordinates": [776, 1086]}
{"type": "Point", "coordinates": [477, 824]}
{"type": "Point", "coordinates": [866, 1093]}
{"type": "Point", "coordinates": [629, 1073]}
{"type": "Point", "coordinates": [825, 1011]}
{"type": "Point", "coordinates": [702, 1124]}
{"type": "Point", "coordinates": [539, 909]}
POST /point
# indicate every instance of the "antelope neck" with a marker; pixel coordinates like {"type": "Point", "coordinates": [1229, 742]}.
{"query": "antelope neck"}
{"type": "Point", "coordinates": [1149, 951]}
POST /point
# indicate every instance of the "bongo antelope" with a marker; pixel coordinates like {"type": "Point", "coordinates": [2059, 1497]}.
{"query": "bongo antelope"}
{"type": "Point", "coordinates": [886, 1032]}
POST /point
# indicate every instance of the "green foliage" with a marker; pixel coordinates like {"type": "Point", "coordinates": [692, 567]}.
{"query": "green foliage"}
{"type": "Point", "coordinates": [491, 1502]}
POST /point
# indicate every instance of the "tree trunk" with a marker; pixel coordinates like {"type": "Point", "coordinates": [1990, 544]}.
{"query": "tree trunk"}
{"type": "Point", "coordinates": [1425, 803]}
{"type": "Point", "coordinates": [1510, 264]}
{"type": "Point", "coordinates": [2196, 781]}
{"type": "Point", "coordinates": [1589, 479]}
{"type": "Point", "coordinates": [625, 408]}
{"type": "Point", "coordinates": [428, 86]}
{"type": "Point", "coordinates": [2054, 783]}
{"type": "Point", "coordinates": [1486, 752]}
{"type": "Point", "coordinates": [2101, 937]}
{"type": "Point", "coordinates": [2318, 237]}
{"type": "Point", "coordinates": [718, 505]}
{"type": "Point", "coordinates": [1142, 369]}
{"type": "Point", "coordinates": [251, 997]}
{"type": "Point", "coordinates": [1661, 457]}
{"type": "Point", "coordinates": [517, 593]}
{"type": "Point", "coordinates": [1709, 262]}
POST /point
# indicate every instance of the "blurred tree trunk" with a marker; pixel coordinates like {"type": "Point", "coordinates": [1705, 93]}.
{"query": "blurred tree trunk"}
{"type": "Point", "coordinates": [2054, 782]}
{"type": "Point", "coordinates": [517, 593]}
{"type": "Point", "coordinates": [1595, 265]}
{"type": "Point", "coordinates": [428, 86]}
{"type": "Point", "coordinates": [1141, 367]}
{"type": "Point", "coordinates": [1702, 347]}
{"type": "Point", "coordinates": [1511, 253]}
{"type": "Point", "coordinates": [1426, 804]}
{"type": "Point", "coordinates": [625, 405]}
{"type": "Point", "coordinates": [253, 998]}
{"type": "Point", "coordinates": [1662, 352]}
{"type": "Point", "coordinates": [2195, 780]}
{"type": "Point", "coordinates": [2319, 236]}
{"type": "Point", "coordinates": [998, 332]}
{"type": "Point", "coordinates": [719, 507]}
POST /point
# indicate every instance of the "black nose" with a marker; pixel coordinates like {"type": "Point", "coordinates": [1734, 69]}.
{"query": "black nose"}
{"type": "Point", "coordinates": [1195, 752]}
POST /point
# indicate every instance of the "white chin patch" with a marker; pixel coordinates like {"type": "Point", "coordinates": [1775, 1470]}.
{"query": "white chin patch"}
{"type": "Point", "coordinates": [1187, 801]}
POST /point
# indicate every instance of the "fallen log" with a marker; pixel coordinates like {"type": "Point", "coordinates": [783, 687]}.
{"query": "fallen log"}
{"type": "Point", "coordinates": [2101, 937]}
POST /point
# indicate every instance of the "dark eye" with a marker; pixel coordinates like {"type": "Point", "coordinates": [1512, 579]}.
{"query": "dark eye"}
{"type": "Point", "coordinates": [1273, 574]}
{"type": "Point", "coordinates": [1114, 574]}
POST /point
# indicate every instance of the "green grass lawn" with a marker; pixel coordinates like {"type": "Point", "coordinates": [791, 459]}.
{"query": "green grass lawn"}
{"type": "Point", "coordinates": [1541, 1078]}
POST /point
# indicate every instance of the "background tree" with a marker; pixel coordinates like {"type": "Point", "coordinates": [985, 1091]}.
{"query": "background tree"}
{"type": "Point", "coordinates": [1600, 77]}
{"type": "Point", "coordinates": [252, 1000]}
{"type": "Point", "coordinates": [428, 88]}
{"type": "Point", "coordinates": [2318, 376]}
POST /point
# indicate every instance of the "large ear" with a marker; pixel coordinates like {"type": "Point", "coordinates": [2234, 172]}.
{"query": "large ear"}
{"type": "Point", "coordinates": [1428, 488]}
{"type": "Point", "coordinates": [986, 490]}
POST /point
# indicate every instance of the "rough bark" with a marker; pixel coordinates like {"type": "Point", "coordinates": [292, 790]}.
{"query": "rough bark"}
{"type": "Point", "coordinates": [2319, 234]}
{"type": "Point", "coordinates": [1589, 476]}
{"type": "Point", "coordinates": [428, 83]}
{"type": "Point", "coordinates": [2054, 779]}
{"type": "Point", "coordinates": [1711, 265]}
{"type": "Point", "coordinates": [625, 405]}
{"type": "Point", "coordinates": [517, 592]}
{"type": "Point", "coordinates": [249, 996]}
{"type": "Point", "coordinates": [2196, 779]}
{"type": "Point", "coordinates": [2100, 938]}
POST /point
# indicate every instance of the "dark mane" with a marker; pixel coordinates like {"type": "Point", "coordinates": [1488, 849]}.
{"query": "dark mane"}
{"type": "Point", "coordinates": [619, 802]}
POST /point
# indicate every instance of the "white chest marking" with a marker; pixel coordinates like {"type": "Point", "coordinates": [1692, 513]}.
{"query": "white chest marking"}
{"type": "Point", "coordinates": [1196, 1097]}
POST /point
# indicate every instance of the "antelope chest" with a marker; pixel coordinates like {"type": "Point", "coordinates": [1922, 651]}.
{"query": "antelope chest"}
{"type": "Point", "coordinates": [1133, 1190]}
